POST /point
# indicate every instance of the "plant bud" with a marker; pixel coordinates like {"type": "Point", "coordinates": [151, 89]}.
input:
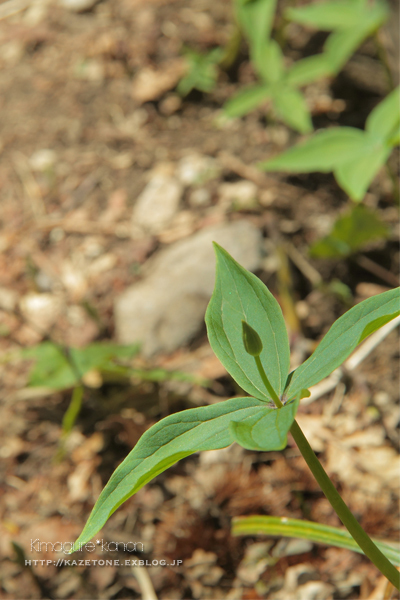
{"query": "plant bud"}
{"type": "Point", "coordinates": [251, 340]}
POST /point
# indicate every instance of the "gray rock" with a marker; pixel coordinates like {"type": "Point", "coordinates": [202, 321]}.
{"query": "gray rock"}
{"type": "Point", "coordinates": [166, 308]}
{"type": "Point", "coordinates": [157, 204]}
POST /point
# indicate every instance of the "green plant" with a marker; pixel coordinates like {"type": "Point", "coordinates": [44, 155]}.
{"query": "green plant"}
{"type": "Point", "coordinates": [202, 71]}
{"type": "Point", "coordinates": [259, 363]}
{"type": "Point", "coordinates": [255, 17]}
{"type": "Point", "coordinates": [59, 368]}
{"type": "Point", "coordinates": [350, 233]}
{"type": "Point", "coordinates": [351, 21]}
{"type": "Point", "coordinates": [354, 156]}
{"type": "Point", "coordinates": [314, 532]}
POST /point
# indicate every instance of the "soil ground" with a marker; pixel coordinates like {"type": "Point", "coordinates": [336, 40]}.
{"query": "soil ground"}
{"type": "Point", "coordinates": [96, 89]}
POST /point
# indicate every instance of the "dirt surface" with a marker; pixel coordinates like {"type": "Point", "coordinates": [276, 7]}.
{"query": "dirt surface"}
{"type": "Point", "coordinates": [87, 113]}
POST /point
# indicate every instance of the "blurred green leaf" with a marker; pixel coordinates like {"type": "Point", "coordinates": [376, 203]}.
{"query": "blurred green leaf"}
{"type": "Point", "coordinates": [247, 100]}
{"type": "Point", "coordinates": [60, 368]}
{"type": "Point", "coordinates": [291, 106]}
{"type": "Point", "coordinates": [308, 69]}
{"type": "Point", "coordinates": [384, 120]}
{"type": "Point", "coordinates": [202, 73]}
{"type": "Point", "coordinates": [322, 152]}
{"type": "Point", "coordinates": [256, 18]}
{"type": "Point", "coordinates": [353, 230]}
{"type": "Point", "coordinates": [339, 14]}
{"type": "Point", "coordinates": [307, 530]}
{"type": "Point", "coordinates": [355, 176]}
{"type": "Point", "coordinates": [351, 21]}
{"type": "Point", "coordinates": [269, 62]}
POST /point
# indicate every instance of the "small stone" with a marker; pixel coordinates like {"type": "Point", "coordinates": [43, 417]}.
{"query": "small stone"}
{"type": "Point", "coordinates": [199, 197]}
{"type": "Point", "coordinates": [43, 160]}
{"type": "Point", "coordinates": [149, 84]}
{"type": "Point", "coordinates": [170, 104]}
{"type": "Point", "coordinates": [157, 204]}
{"type": "Point", "coordinates": [42, 310]}
{"type": "Point", "coordinates": [242, 194]}
{"type": "Point", "coordinates": [78, 5]}
{"type": "Point", "coordinates": [196, 169]}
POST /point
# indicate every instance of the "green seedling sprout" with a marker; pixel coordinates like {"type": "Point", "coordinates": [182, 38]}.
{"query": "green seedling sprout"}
{"type": "Point", "coordinates": [247, 332]}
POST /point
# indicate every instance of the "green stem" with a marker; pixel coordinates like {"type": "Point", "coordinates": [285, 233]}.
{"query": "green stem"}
{"type": "Point", "coordinates": [342, 511]}
{"type": "Point", "coordinates": [267, 384]}
{"type": "Point", "coordinates": [326, 485]}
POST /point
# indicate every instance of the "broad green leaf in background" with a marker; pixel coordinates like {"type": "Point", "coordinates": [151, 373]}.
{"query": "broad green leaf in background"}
{"type": "Point", "coordinates": [269, 62]}
{"type": "Point", "coordinates": [340, 14]}
{"type": "Point", "coordinates": [384, 120]}
{"type": "Point", "coordinates": [266, 430]}
{"type": "Point", "coordinates": [353, 155]}
{"type": "Point", "coordinates": [56, 370]}
{"type": "Point", "coordinates": [355, 176]}
{"type": "Point", "coordinates": [247, 100]}
{"type": "Point", "coordinates": [308, 69]}
{"type": "Point", "coordinates": [307, 530]}
{"type": "Point", "coordinates": [291, 106]}
{"type": "Point", "coordinates": [256, 18]}
{"type": "Point", "coordinates": [322, 152]}
{"type": "Point", "coordinates": [357, 227]}
{"type": "Point", "coordinates": [239, 295]}
{"type": "Point", "coordinates": [343, 337]}
{"type": "Point", "coordinates": [341, 45]}
{"type": "Point", "coordinates": [161, 446]}
{"type": "Point", "coordinates": [351, 23]}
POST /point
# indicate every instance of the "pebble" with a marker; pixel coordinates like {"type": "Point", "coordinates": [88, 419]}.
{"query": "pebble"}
{"type": "Point", "coordinates": [78, 6]}
{"type": "Point", "coordinates": [157, 204]}
{"type": "Point", "coordinates": [241, 194]}
{"type": "Point", "coordinates": [196, 169]}
{"type": "Point", "coordinates": [42, 310]}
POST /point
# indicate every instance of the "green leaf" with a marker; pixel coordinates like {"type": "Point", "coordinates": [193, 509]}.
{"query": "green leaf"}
{"type": "Point", "coordinates": [384, 120]}
{"type": "Point", "coordinates": [343, 337]}
{"type": "Point", "coordinates": [306, 530]}
{"type": "Point", "coordinates": [202, 71]}
{"type": "Point", "coordinates": [341, 45]}
{"type": "Point", "coordinates": [239, 295]}
{"type": "Point", "coordinates": [340, 14]}
{"type": "Point", "coordinates": [356, 175]}
{"type": "Point", "coordinates": [161, 446]}
{"type": "Point", "coordinates": [56, 370]}
{"type": "Point", "coordinates": [269, 62]}
{"type": "Point", "coordinates": [266, 430]}
{"type": "Point", "coordinates": [291, 106]}
{"type": "Point", "coordinates": [256, 18]}
{"type": "Point", "coordinates": [350, 233]}
{"type": "Point", "coordinates": [247, 100]}
{"type": "Point", "coordinates": [51, 368]}
{"type": "Point", "coordinates": [324, 151]}
{"type": "Point", "coordinates": [308, 69]}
